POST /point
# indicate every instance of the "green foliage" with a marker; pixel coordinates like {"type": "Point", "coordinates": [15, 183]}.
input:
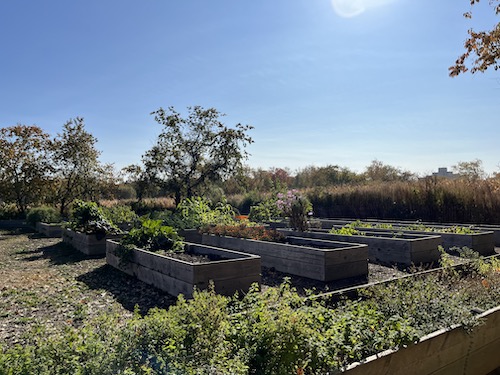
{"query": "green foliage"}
{"type": "Point", "coordinates": [76, 164]}
{"type": "Point", "coordinates": [25, 165]}
{"type": "Point", "coordinates": [88, 217]}
{"type": "Point", "coordinates": [273, 331]}
{"type": "Point", "coordinates": [243, 231]}
{"type": "Point", "coordinates": [9, 211]}
{"type": "Point", "coordinates": [347, 230]}
{"type": "Point", "coordinates": [152, 235]}
{"type": "Point", "coordinates": [120, 214]}
{"type": "Point", "coordinates": [265, 211]}
{"type": "Point", "coordinates": [197, 212]}
{"type": "Point", "coordinates": [43, 214]}
{"type": "Point", "coordinates": [195, 151]}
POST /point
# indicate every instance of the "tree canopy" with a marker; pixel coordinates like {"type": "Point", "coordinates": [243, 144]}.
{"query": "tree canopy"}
{"type": "Point", "coordinates": [24, 164]}
{"type": "Point", "coordinates": [482, 47]}
{"type": "Point", "coordinates": [196, 150]}
{"type": "Point", "coordinates": [77, 164]}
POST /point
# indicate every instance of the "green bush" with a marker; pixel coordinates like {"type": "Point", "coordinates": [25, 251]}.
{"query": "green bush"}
{"type": "Point", "coordinates": [43, 214]}
{"type": "Point", "coordinates": [265, 211]}
{"type": "Point", "coordinates": [196, 212]}
{"type": "Point", "coordinates": [120, 214]}
{"type": "Point", "coordinates": [88, 217]}
{"type": "Point", "coordinates": [9, 211]}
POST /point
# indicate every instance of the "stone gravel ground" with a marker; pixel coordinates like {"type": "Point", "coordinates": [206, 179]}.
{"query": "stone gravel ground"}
{"type": "Point", "coordinates": [45, 282]}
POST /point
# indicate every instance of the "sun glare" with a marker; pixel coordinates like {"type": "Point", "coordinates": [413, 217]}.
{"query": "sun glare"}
{"type": "Point", "coordinates": [353, 8]}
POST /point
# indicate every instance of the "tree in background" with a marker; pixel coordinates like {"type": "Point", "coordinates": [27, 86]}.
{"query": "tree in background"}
{"type": "Point", "coordinates": [78, 173]}
{"type": "Point", "coordinates": [195, 151]}
{"type": "Point", "coordinates": [24, 165]}
{"type": "Point", "coordinates": [329, 175]}
{"type": "Point", "coordinates": [483, 47]}
{"type": "Point", "coordinates": [378, 171]}
{"type": "Point", "coordinates": [470, 170]}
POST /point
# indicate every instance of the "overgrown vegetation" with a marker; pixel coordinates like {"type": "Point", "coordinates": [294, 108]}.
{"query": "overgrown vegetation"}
{"type": "Point", "coordinates": [264, 332]}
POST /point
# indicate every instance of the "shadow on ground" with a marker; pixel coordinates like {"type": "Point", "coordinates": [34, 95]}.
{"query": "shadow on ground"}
{"type": "Point", "coordinates": [57, 254]}
{"type": "Point", "coordinates": [127, 290]}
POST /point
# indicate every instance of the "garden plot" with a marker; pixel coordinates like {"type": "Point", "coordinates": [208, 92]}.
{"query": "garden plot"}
{"type": "Point", "coordinates": [480, 240]}
{"type": "Point", "coordinates": [314, 259]}
{"type": "Point", "coordinates": [89, 244]}
{"type": "Point", "coordinates": [230, 271]}
{"type": "Point", "coordinates": [384, 248]}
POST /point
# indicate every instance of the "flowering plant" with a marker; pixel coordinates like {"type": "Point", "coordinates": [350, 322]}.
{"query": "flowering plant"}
{"type": "Point", "coordinates": [296, 208]}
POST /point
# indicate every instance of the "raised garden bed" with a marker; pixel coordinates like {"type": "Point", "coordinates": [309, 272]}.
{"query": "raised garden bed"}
{"type": "Point", "coordinates": [233, 271]}
{"type": "Point", "coordinates": [326, 261]}
{"type": "Point", "coordinates": [89, 244]}
{"type": "Point", "coordinates": [404, 250]}
{"type": "Point", "coordinates": [49, 230]}
{"type": "Point", "coordinates": [453, 350]}
{"type": "Point", "coordinates": [447, 351]}
{"type": "Point", "coordinates": [482, 242]}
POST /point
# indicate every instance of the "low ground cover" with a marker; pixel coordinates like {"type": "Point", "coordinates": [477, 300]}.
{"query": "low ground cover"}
{"type": "Point", "coordinates": [74, 314]}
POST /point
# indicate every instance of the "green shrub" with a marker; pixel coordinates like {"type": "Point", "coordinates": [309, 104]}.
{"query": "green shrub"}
{"type": "Point", "coordinates": [88, 217]}
{"type": "Point", "coordinates": [9, 211]}
{"type": "Point", "coordinates": [265, 211]}
{"type": "Point", "coordinates": [43, 214]}
{"type": "Point", "coordinates": [120, 214]}
{"type": "Point", "coordinates": [197, 211]}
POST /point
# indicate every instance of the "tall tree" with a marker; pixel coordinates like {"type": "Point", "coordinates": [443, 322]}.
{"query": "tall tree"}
{"type": "Point", "coordinates": [77, 164]}
{"type": "Point", "coordinates": [483, 47]}
{"type": "Point", "coordinates": [194, 151]}
{"type": "Point", "coordinates": [24, 165]}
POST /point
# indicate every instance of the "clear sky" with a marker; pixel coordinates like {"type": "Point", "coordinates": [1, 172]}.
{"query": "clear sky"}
{"type": "Point", "coordinates": [322, 81]}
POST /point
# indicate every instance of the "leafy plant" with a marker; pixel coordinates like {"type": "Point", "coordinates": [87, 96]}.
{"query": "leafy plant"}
{"type": "Point", "coordinates": [152, 235]}
{"type": "Point", "coordinates": [265, 211]}
{"type": "Point", "coordinates": [347, 230]}
{"type": "Point", "coordinates": [197, 211]}
{"type": "Point", "coordinates": [43, 214]}
{"type": "Point", "coordinates": [88, 217]}
{"type": "Point", "coordinates": [120, 214]}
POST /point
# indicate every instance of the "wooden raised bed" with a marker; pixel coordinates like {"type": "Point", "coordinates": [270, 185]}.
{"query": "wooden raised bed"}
{"type": "Point", "coordinates": [236, 271]}
{"type": "Point", "coordinates": [482, 242]}
{"type": "Point", "coordinates": [447, 351]}
{"type": "Point", "coordinates": [89, 244]}
{"type": "Point", "coordinates": [49, 230]}
{"type": "Point", "coordinates": [326, 261]}
{"type": "Point", "coordinates": [384, 249]}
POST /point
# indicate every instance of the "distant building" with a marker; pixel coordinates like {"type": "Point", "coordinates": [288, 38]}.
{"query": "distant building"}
{"type": "Point", "coordinates": [443, 172]}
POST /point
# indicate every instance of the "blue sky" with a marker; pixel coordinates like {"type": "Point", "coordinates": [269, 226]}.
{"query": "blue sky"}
{"type": "Point", "coordinates": [322, 81]}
